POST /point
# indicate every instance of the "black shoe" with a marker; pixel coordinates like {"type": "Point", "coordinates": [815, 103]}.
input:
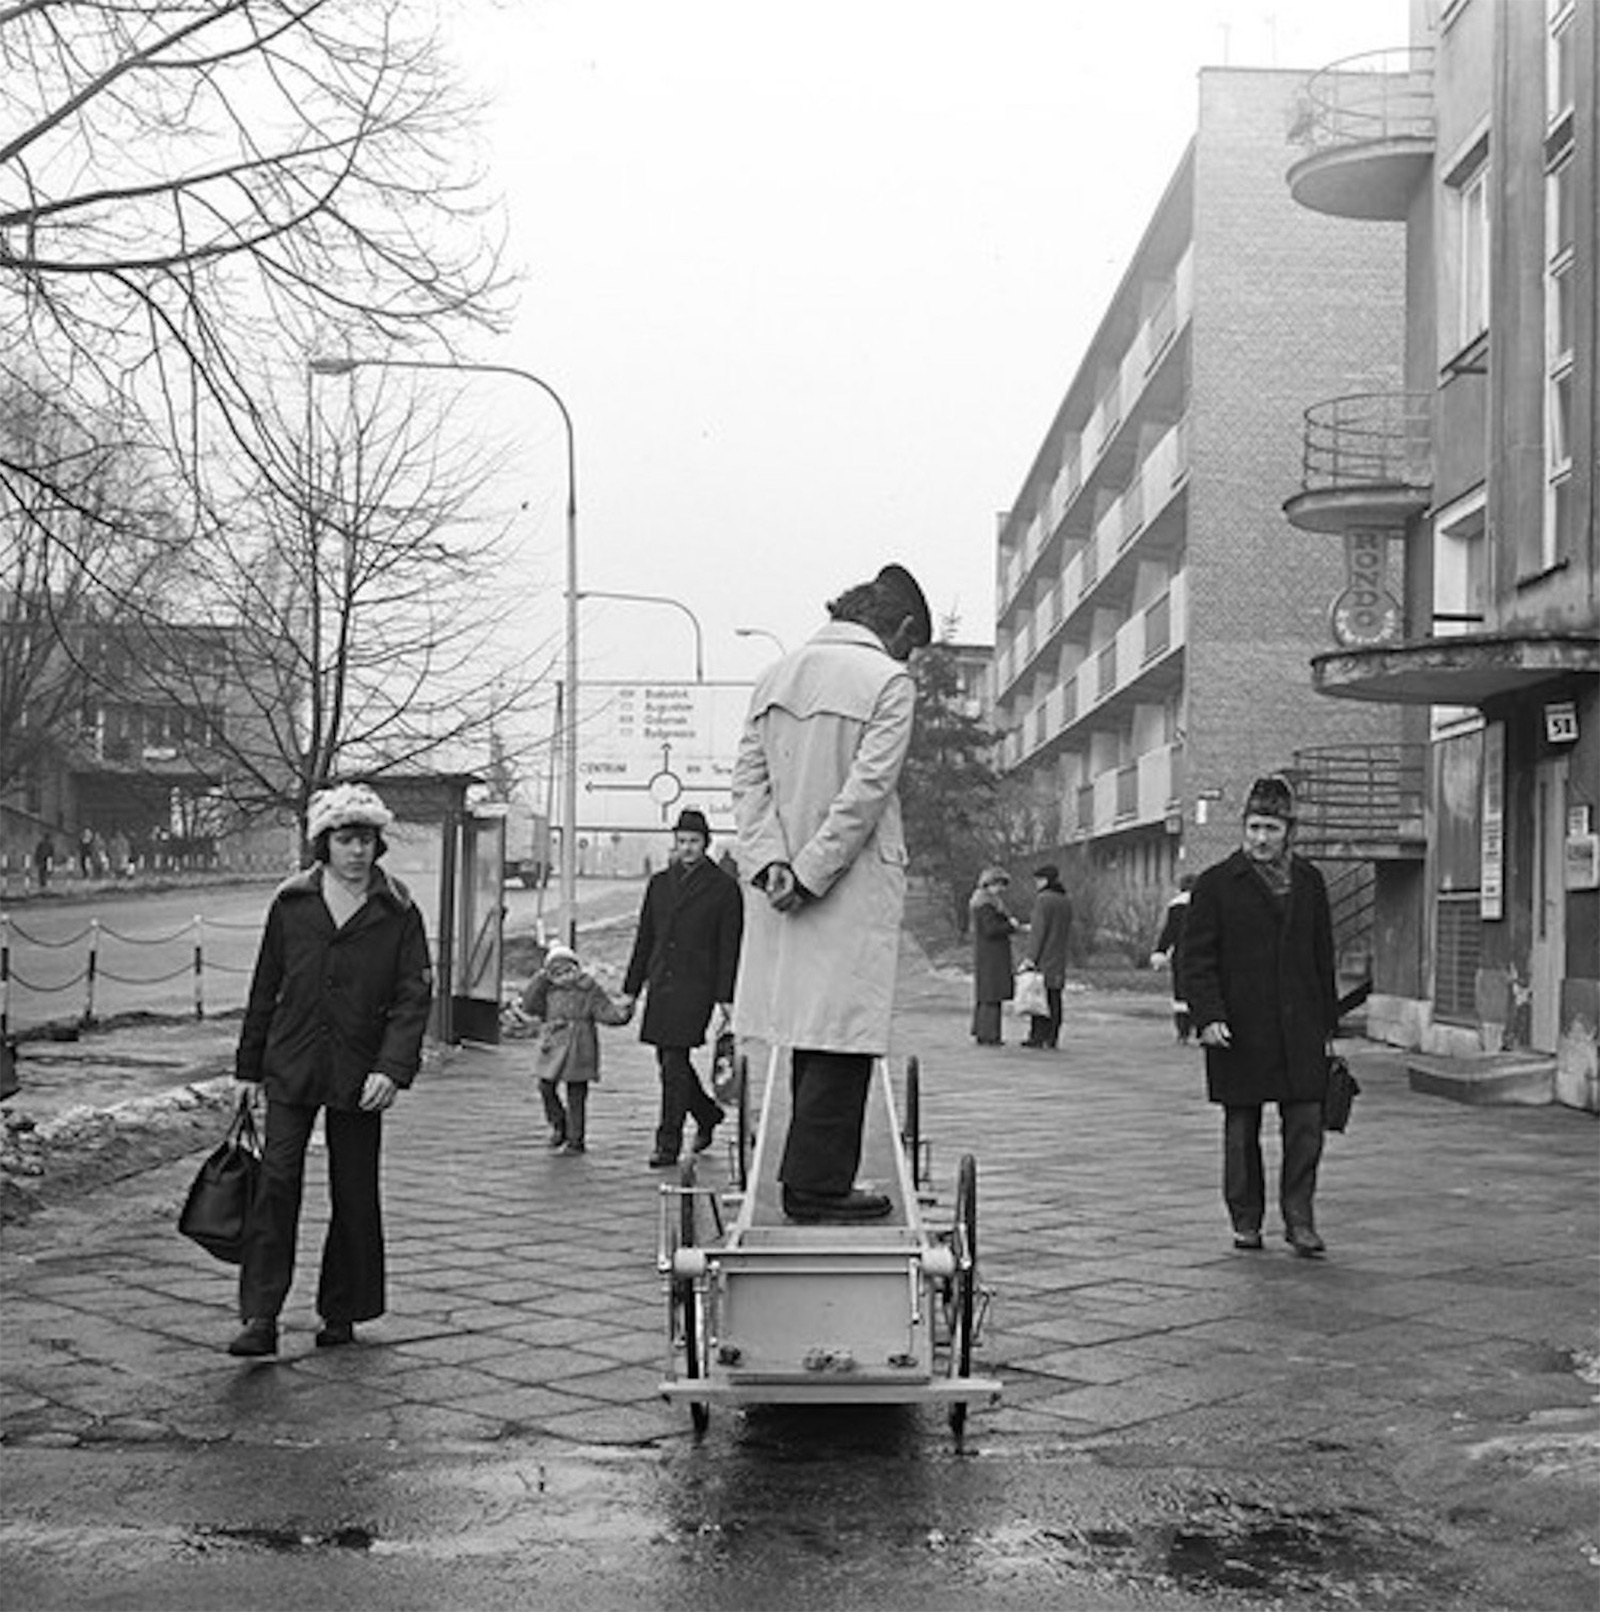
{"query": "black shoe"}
{"type": "Point", "coordinates": [815, 1207]}
{"type": "Point", "coordinates": [1304, 1241]}
{"type": "Point", "coordinates": [336, 1334]}
{"type": "Point", "coordinates": [1247, 1240]}
{"type": "Point", "coordinates": [558, 1140]}
{"type": "Point", "coordinates": [702, 1133]}
{"type": "Point", "coordinates": [259, 1337]}
{"type": "Point", "coordinates": [567, 1149]}
{"type": "Point", "coordinates": [663, 1161]}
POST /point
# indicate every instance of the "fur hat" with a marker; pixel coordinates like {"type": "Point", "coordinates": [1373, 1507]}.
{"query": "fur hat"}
{"type": "Point", "coordinates": [691, 821]}
{"type": "Point", "coordinates": [345, 806]}
{"type": "Point", "coordinates": [1270, 797]}
{"type": "Point", "coordinates": [558, 953]}
{"type": "Point", "coordinates": [907, 594]}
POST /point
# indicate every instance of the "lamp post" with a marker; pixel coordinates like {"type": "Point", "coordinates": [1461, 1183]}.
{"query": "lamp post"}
{"type": "Point", "coordinates": [761, 632]}
{"type": "Point", "coordinates": [569, 748]}
{"type": "Point", "coordinates": [663, 599]}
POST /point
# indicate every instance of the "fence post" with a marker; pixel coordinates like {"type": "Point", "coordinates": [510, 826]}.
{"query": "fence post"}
{"type": "Point", "coordinates": [89, 975]}
{"type": "Point", "coordinates": [199, 966]}
{"type": "Point", "coordinates": [5, 978]}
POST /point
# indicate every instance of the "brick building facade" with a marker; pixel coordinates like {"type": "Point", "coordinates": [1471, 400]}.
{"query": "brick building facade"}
{"type": "Point", "coordinates": [1156, 613]}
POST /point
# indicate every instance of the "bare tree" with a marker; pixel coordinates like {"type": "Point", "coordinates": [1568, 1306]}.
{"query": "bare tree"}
{"type": "Point", "coordinates": [82, 532]}
{"type": "Point", "coordinates": [189, 186]}
{"type": "Point", "coordinates": [370, 623]}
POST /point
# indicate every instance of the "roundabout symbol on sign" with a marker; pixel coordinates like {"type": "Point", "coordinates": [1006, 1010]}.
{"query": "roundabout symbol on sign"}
{"type": "Point", "coordinates": [665, 788]}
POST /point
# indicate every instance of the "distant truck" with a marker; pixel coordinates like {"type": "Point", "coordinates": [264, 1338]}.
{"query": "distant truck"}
{"type": "Point", "coordinates": [527, 846]}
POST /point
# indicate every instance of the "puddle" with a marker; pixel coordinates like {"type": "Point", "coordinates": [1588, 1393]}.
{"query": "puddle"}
{"type": "Point", "coordinates": [1349, 1555]}
{"type": "Point", "coordinates": [288, 1539]}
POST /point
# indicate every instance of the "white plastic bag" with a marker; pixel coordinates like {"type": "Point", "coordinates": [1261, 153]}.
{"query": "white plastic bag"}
{"type": "Point", "coordinates": [1029, 996]}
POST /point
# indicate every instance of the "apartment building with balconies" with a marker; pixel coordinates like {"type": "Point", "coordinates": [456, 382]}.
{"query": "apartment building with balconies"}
{"type": "Point", "coordinates": [1155, 612]}
{"type": "Point", "coordinates": [1463, 500]}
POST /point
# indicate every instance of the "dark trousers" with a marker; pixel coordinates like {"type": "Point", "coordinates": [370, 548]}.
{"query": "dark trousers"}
{"type": "Point", "coordinates": [1243, 1179]}
{"type": "Point", "coordinates": [681, 1095]}
{"type": "Point", "coordinates": [986, 1024]}
{"type": "Point", "coordinates": [828, 1091]}
{"type": "Point", "coordinates": [351, 1285]}
{"type": "Point", "coordinates": [569, 1119]}
{"type": "Point", "coordinates": [1046, 1031]}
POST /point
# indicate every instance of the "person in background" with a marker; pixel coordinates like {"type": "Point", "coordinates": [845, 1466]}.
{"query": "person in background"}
{"type": "Point", "coordinates": [334, 1021]}
{"type": "Point", "coordinates": [1049, 930]}
{"type": "Point", "coordinates": [1168, 953]}
{"type": "Point", "coordinates": [44, 861]}
{"type": "Point", "coordinates": [685, 957]}
{"type": "Point", "coordinates": [1258, 972]}
{"type": "Point", "coordinates": [993, 974]}
{"type": "Point", "coordinates": [821, 843]}
{"type": "Point", "coordinates": [566, 1003]}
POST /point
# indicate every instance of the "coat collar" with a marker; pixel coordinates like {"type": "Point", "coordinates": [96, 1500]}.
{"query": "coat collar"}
{"type": "Point", "coordinates": [308, 882]}
{"type": "Point", "coordinates": [848, 632]}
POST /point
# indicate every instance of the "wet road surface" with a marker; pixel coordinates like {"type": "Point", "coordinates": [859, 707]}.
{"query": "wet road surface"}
{"type": "Point", "coordinates": [1409, 1424]}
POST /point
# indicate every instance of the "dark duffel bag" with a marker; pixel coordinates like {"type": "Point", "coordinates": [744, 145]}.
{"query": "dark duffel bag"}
{"type": "Point", "coordinates": [218, 1205]}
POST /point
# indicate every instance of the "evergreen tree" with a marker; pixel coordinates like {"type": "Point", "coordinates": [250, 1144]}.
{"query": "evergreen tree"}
{"type": "Point", "coordinates": [949, 791]}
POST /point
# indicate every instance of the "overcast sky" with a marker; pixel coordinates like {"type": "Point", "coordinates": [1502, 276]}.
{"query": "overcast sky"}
{"type": "Point", "coordinates": [812, 279]}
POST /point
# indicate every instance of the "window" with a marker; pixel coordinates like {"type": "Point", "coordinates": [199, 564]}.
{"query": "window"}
{"type": "Point", "coordinates": [1560, 206]}
{"type": "Point", "coordinates": [1559, 76]}
{"type": "Point", "coordinates": [1470, 307]}
{"type": "Point", "coordinates": [1460, 567]}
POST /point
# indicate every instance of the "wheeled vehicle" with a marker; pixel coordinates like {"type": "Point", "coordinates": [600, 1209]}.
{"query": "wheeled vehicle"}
{"type": "Point", "coordinates": [767, 1311]}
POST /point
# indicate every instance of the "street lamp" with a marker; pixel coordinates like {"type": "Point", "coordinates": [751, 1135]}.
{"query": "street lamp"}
{"type": "Point", "coordinates": [661, 598]}
{"type": "Point", "coordinates": [569, 752]}
{"type": "Point", "coordinates": [760, 632]}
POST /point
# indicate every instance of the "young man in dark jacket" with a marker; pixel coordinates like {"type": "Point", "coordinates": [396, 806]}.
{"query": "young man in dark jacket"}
{"type": "Point", "coordinates": [335, 1019]}
{"type": "Point", "coordinates": [1258, 974]}
{"type": "Point", "coordinates": [685, 957]}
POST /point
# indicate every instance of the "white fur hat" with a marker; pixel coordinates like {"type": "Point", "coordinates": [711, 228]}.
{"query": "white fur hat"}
{"type": "Point", "coordinates": [345, 805]}
{"type": "Point", "coordinates": [560, 954]}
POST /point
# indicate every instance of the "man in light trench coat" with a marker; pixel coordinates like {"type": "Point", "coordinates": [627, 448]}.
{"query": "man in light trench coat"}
{"type": "Point", "coordinates": [821, 842]}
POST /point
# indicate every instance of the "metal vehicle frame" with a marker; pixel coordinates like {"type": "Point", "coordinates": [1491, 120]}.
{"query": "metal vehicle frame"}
{"type": "Point", "coordinates": [764, 1310]}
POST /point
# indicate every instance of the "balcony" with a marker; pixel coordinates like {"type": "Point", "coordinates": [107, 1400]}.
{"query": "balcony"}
{"type": "Point", "coordinates": [1137, 794]}
{"type": "Point", "coordinates": [1367, 124]}
{"type": "Point", "coordinates": [1361, 802]}
{"type": "Point", "coordinates": [1469, 669]}
{"type": "Point", "coordinates": [1366, 461]}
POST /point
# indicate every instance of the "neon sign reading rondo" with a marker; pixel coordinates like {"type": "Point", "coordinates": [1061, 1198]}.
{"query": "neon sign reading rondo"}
{"type": "Point", "coordinates": [1366, 613]}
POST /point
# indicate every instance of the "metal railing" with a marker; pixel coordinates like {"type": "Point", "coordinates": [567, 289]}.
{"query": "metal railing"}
{"type": "Point", "coordinates": [1356, 798]}
{"type": "Point", "coordinates": [1368, 439]}
{"type": "Point", "coordinates": [1378, 96]}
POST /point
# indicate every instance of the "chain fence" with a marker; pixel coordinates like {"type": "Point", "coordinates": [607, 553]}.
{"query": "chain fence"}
{"type": "Point", "coordinates": [201, 967]}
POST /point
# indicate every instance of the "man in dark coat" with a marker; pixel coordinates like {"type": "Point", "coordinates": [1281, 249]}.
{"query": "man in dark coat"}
{"type": "Point", "coordinates": [686, 957]}
{"type": "Point", "coordinates": [1049, 930]}
{"type": "Point", "coordinates": [337, 1010]}
{"type": "Point", "coordinates": [1258, 974]}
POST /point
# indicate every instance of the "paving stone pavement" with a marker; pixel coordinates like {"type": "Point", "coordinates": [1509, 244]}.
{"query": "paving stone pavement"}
{"type": "Point", "coordinates": [1452, 1328]}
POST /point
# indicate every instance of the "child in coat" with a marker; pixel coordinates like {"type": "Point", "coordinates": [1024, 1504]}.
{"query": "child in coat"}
{"type": "Point", "coordinates": [566, 1003]}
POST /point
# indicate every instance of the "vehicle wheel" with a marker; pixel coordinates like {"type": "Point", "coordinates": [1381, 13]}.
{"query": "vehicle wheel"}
{"type": "Point", "coordinates": [964, 1284]}
{"type": "Point", "coordinates": [911, 1133]}
{"type": "Point", "coordinates": [686, 1295]}
{"type": "Point", "coordinates": [746, 1139]}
